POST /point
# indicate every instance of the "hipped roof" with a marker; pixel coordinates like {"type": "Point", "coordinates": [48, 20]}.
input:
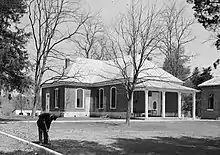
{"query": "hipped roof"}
{"type": "Point", "coordinates": [212, 82]}
{"type": "Point", "coordinates": [96, 72]}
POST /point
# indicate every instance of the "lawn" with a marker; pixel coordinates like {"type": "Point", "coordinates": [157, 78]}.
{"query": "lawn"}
{"type": "Point", "coordinates": [152, 138]}
{"type": "Point", "coordinates": [10, 146]}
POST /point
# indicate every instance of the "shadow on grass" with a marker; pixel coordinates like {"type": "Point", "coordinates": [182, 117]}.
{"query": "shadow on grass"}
{"type": "Point", "coordinates": [109, 124]}
{"type": "Point", "coordinates": [5, 120]}
{"type": "Point", "coordinates": [170, 146]}
{"type": "Point", "coordinates": [155, 146]}
{"type": "Point", "coordinates": [74, 147]}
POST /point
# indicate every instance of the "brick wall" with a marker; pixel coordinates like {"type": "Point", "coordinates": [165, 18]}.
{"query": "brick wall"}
{"type": "Point", "coordinates": [205, 92]}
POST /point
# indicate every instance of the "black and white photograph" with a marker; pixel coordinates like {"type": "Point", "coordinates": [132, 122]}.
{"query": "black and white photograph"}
{"type": "Point", "coordinates": [109, 77]}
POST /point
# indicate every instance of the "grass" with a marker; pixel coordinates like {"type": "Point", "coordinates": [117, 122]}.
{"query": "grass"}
{"type": "Point", "coordinates": [10, 146]}
{"type": "Point", "coordinates": [152, 138]}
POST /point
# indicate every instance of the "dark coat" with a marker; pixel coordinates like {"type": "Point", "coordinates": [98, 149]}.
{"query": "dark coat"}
{"type": "Point", "coordinates": [45, 118]}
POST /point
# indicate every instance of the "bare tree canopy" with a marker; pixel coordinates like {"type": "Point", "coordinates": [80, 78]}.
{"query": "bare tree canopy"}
{"type": "Point", "coordinates": [177, 28]}
{"type": "Point", "coordinates": [91, 43]}
{"type": "Point", "coordinates": [52, 23]}
{"type": "Point", "coordinates": [176, 34]}
{"type": "Point", "coordinates": [136, 36]}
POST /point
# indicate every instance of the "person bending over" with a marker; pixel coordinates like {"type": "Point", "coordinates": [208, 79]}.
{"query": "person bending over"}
{"type": "Point", "coordinates": [43, 124]}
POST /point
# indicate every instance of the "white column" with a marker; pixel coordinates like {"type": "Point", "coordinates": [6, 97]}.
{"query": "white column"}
{"type": "Point", "coordinates": [146, 104]}
{"type": "Point", "coordinates": [179, 104]}
{"type": "Point", "coordinates": [132, 103]}
{"type": "Point", "coordinates": [163, 104]}
{"type": "Point", "coordinates": [194, 106]}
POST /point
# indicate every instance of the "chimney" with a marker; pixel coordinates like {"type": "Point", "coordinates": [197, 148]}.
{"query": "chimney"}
{"type": "Point", "coordinates": [67, 62]}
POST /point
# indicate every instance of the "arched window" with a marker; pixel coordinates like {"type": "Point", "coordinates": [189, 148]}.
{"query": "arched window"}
{"type": "Point", "coordinates": [154, 105]}
{"type": "Point", "coordinates": [101, 98]}
{"type": "Point", "coordinates": [80, 98]}
{"type": "Point", "coordinates": [211, 101]}
{"type": "Point", "coordinates": [113, 98]}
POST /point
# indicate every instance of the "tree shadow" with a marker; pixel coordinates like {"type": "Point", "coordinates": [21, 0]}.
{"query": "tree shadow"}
{"type": "Point", "coordinates": [109, 124]}
{"type": "Point", "coordinates": [155, 146]}
{"type": "Point", "coordinates": [5, 120]}
{"type": "Point", "coordinates": [74, 147]}
{"type": "Point", "coordinates": [169, 146]}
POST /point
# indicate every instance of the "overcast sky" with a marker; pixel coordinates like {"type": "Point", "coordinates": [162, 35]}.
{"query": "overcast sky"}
{"type": "Point", "coordinates": [205, 53]}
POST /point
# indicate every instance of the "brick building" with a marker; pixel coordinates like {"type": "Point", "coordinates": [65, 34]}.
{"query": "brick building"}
{"type": "Point", "coordinates": [94, 88]}
{"type": "Point", "coordinates": [210, 97]}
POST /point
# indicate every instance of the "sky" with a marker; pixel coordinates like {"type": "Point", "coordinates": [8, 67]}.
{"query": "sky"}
{"type": "Point", "coordinates": [204, 53]}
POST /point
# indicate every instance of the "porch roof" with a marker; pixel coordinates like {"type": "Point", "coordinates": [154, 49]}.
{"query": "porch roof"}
{"type": "Point", "coordinates": [164, 85]}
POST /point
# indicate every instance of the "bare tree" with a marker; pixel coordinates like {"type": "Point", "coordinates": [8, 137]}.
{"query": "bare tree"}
{"type": "Point", "coordinates": [134, 40]}
{"type": "Point", "coordinates": [52, 23]}
{"type": "Point", "coordinates": [176, 64]}
{"type": "Point", "coordinates": [91, 42]}
{"type": "Point", "coordinates": [176, 34]}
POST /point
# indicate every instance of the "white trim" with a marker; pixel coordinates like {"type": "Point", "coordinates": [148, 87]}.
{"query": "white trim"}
{"type": "Point", "coordinates": [76, 114]}
{"type": "Point", "coordinates": [165, 89]}
{"type": "Point", "coordinates": [132, 102]}
{"type": "Point", "coordinates": [194, 106]}
{"type": "Point", "coordinates": [102, 98]}
{"type": "Point", "coordinates": [179, 104]}
{"type": "Point", "coordinates": [111, 97]}
{"type": "Point", "coordinates": [82, 99]}
{"type": "Point", "coordinates": [56, 98]}
{"type": "Point", "coordinates": [146, 104]}
{"type": "Point", "coordinates": [25, 112]}
{"type": "Point", "coordinates": [47, 94]}
{"type": "Point", "coordinates": [163, 104]}
{"type": "Point", "coordinates": [210, 109]}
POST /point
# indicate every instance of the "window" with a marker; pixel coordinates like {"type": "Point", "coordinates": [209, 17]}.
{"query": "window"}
{"type": "Point", "coordinates": [101, 98]}
{"type": "Point", "coordinates": [154, 105]}
{"type": "Point", "coordinates": [149, 93]}
{"type": "Point", "coordinates": [113, 98]}
{"type": "Point", "coordinates": [56, 97]}
{"type": "Point", "coordinates": [211, 102]}
{"type": "Point", "coordinates": [79, 100]}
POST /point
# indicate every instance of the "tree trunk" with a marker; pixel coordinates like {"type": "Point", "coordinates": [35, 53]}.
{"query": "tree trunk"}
{"type": "Point", "coordinates": [36, 100]}
{"type": "Point", "coordinates": [128, 113]}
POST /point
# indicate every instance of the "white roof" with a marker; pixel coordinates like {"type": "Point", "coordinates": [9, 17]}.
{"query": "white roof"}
{"type": "Point", "coordinates": [212, 82]}
{"type": "Point", "coordinates": [165, 86]}
{"type": "Point", "coordinates": [93, 71]}
{"type": "Point", "coordinates": [90, 71]}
